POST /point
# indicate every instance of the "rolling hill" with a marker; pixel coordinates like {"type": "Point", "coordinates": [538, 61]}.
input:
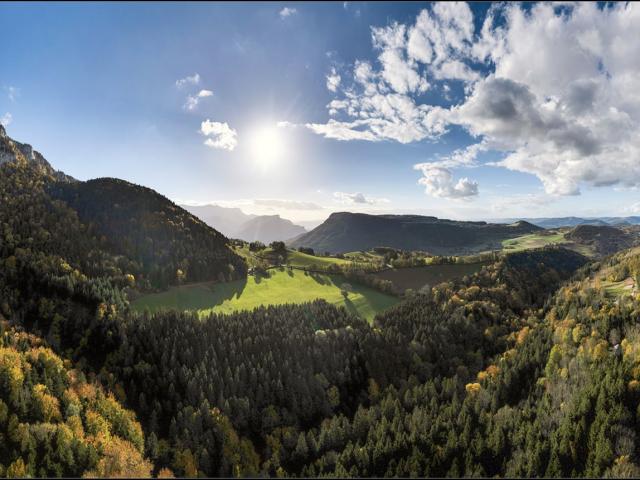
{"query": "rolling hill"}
{"type": "Point", "coordinates": [346, 232]}
{"type": "Point", "coordinates": [604, 239]}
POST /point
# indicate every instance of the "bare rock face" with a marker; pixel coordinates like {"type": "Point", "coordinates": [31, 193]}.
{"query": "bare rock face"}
{"type": "Point", "coordinates": [12, 151]}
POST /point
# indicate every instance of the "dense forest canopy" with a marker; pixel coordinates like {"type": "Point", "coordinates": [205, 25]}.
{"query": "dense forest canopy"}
{"type": "Point", "coordinates": [530, 366]}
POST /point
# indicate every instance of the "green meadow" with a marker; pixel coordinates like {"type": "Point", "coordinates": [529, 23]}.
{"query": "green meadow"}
{"type": "Point", "coordinates": [534, 240]}
{"type": "Point", "coordinates": [283, 286]}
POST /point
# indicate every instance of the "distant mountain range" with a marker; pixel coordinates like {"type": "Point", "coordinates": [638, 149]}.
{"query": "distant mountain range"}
{"type": "Point", "coordinates": [553, 222]}
{"type": "Point", "coordinates": [345, 232]}
{"type": "Point", "coordinates": [234, 223]}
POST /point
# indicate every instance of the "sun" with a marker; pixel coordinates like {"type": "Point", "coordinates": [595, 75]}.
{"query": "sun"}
{"type": "Point", "coordinates": [267, 146]}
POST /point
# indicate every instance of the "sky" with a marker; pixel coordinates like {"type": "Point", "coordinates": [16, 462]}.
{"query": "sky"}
{"type": "Point", "coordinates": [464, 111]}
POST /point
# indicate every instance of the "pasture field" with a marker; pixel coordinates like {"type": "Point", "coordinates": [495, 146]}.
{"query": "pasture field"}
{"type": "Point", "coordinates": [417, 277]}
{"type": "Point", "coordinates": [283, 286]}
{"type": "Point", "coordinates": [617, 289]}
{"type": "Point", "coordinates": [541, 239]}
{"type": "Point", "coordinates": [299, 259]}
{"type": "Point", "coordinates": [533, 240]}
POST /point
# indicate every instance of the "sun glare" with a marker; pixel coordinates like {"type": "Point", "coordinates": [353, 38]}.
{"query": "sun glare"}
{"type": "Point", "coordinates": [267, 146]}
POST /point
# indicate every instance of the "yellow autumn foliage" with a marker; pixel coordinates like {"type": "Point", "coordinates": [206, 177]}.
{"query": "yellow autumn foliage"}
{"type": "Point", "coordinates": [472, 388]}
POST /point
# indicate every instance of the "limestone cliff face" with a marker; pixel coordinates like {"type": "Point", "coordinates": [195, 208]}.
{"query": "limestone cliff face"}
{"type": "Point", "coordinates": [12, 151]}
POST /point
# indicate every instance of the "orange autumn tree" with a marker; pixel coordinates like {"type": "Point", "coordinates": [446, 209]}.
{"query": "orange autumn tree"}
{"type": "Point", "coordinates": [49, 409]}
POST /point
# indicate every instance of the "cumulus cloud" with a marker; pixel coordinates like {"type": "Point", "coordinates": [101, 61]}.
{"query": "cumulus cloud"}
{"type": "Point", "coordinates": [193, 100]}
{"type": "Point", "coordinates": [287, 12]}
{"type": "Point", "coordinates": [6, 119]}
{"type": "Point", "coordinates": [554, 91]}
{"type": "Point", "coordinates": [192, 80]}
{"type": "Point", "coordinates": [286, 204]}
{"type": "Point", "coordinates": [358, 198]}
{"type": "Point", "coordinates": [219, 135]}
{"type": "Point", "coordinates": [439, 182]}
{"type": "Point", "coordinates": [333, 80]}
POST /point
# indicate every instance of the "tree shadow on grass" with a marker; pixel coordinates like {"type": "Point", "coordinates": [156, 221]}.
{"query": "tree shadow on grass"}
{"type": "Point", "coordinates": [194, 297]}
{"type": "Point", "coordinates": [351, 308]}
{"type": "Point", "coordinates": [320, 278]}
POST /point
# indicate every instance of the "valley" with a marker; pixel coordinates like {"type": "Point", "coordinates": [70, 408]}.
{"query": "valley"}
{"type": "Point", "coordinates": [149, 343]}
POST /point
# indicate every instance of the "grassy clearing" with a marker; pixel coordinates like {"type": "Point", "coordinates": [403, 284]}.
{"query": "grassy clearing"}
{"type": "Point", "coordinates": [617, 289]}
{"type": "Point", "coordinates": [537, 240]}
{"type": "Point", "coordinates": [417, 277]}
{"type": "Point", "coordinates": [280, 288]}
{"type": "Point", "coordinates": [533, 240]}
{"type": "Point", "coordinates": [299, 259]}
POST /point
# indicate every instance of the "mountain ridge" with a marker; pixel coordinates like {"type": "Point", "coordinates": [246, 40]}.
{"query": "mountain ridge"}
{"type": "Point", "coordinates": [234, 223]}
{"type": "Point", "coordinates": [345, 231]}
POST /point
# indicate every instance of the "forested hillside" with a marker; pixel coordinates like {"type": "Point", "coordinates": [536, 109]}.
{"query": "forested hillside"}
{"type": "Point", "coordinates": [280, 376]}
{"type": "Point", "coordinates": [53, 423]}
{"type": "Point", "coordinates": [167, 244]}
{"type": "Point", "coordinates": [530, 366]}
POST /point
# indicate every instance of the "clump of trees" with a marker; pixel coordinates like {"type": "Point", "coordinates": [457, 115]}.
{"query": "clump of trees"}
{"type": "Point", "coordinates": [307, 250]}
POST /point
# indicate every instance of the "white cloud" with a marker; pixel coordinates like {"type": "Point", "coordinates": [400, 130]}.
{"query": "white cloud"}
{"type": "Point", "coordinates": [192, 80]}
{"type": "Point", "coordinates": [358, 198]}
{"type": "Point", "coordinates": [6, 119]}
{"type": "Point", "coordinates": [439, 182]}
{"type": "Point", "coordinates": [555, 92]}
{"type": "Point", "coordinates": [287, 12]}
{"type": "Point", "coordinates": [219, 135]}
{"type": "Point", "coordinates": [333, 80]}
{"type": "Point", "coordinates": [193, 100]}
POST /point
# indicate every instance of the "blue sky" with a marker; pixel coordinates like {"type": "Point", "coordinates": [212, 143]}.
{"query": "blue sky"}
{"type": "Point", "coordinates": [96, 88]}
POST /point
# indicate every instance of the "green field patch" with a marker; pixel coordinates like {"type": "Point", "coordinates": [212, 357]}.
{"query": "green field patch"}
{"type": "Point", "coordinates": [533, 240]}
{"type": "Point", "coordinates": [617, 289]}
{"type": "Point", "coordinates": [299, 259]}
{"type": "Point", "coordinates": [417, 277]}
{"type": "Point", "coordinates": [283, 286]}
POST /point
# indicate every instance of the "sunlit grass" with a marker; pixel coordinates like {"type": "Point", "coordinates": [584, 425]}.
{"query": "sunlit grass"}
{"type": "Point", "coordinates": [281, 287]}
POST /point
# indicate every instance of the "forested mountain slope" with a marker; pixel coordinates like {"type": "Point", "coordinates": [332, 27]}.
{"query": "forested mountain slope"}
{"type": "Point", "coordinates": [529, 367]}
{"type": "Point", "coordinates": [559, 401]}
{"type": "Point", "coordinates": [53, 423]}
{"type": "Point", "coordinates": [281, 375]}
{"type": "Point", "coordinates": [604, 239]}
{"type": "Point", "coordinates": [167, 243]}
